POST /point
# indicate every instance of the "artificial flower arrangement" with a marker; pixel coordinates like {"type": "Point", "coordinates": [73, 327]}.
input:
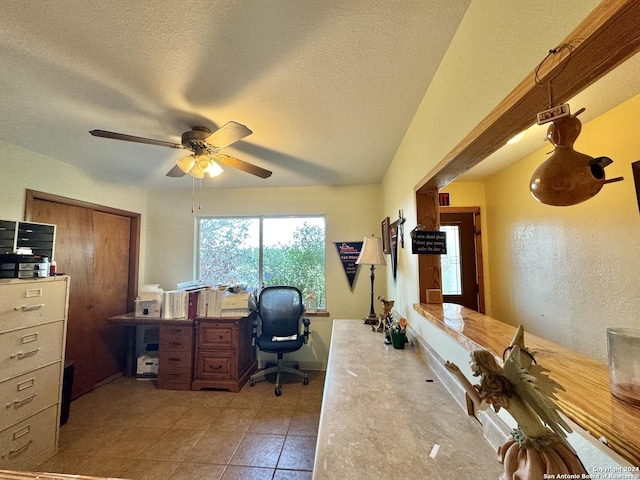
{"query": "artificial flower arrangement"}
{"type": "Point", "coordinates": [398, 326]}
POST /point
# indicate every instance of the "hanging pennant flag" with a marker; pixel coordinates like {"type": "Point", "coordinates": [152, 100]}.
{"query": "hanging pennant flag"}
{"type": "Point", "coordinates": [349, 253]}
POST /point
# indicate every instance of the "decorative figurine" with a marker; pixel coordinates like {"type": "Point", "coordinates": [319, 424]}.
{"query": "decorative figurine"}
{"type": "Point", "coordinates": [538, 447]}
{"type": "Point", "coordinates": [385, 316]}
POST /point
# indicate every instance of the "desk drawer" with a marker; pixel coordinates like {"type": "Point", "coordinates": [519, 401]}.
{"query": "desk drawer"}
{"type": "Point", "coordinates": [216, 366]}
{"type": "Point", "coordinates": [26, 439]}
{"type": "Point", "coordinates": [171, 360]}
{"type": "Point", "coordinates": [22, 396]}
{"type": "Point", "coordinates": [213, 336]}
{"type": "Point", "coordinates": [29, 348]}
{"type": "Point", "coordinates": [176, 338]}
{"type": "Point", "coordinates": [29, 303]}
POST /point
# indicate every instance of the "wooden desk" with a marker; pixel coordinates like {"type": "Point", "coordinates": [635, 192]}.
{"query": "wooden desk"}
{"type": "Point", "coordinates": [221, 356]}
{"type": "Point", "coordinates": [587, 400]}
{"type": "Point", "coordinates": [130, 323]}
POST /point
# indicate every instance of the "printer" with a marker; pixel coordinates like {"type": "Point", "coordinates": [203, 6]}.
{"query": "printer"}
{"type": "Point", "coordinates": [149, 301]}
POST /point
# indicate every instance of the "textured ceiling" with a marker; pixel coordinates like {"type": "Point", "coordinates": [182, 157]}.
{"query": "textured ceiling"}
{"type": "Point", "coordinates": [328, 87]}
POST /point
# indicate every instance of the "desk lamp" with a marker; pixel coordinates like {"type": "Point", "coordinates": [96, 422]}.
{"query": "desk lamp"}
{"type": "Point", "coordinates": [371, 254]}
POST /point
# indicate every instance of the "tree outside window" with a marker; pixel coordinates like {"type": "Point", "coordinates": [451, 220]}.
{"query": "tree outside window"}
{"type": "Point", "coordinates": [292, 252]}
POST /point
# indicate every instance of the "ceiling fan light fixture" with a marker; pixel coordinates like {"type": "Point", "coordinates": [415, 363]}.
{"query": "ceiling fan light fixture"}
{"type": "Point", "coordinates": [214, 168]}
{"type": "Point", "coordinates": [187, 163]}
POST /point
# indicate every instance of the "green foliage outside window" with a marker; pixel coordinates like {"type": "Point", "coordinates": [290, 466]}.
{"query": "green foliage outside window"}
{"type": "Point", "coordinates": [229, 252]}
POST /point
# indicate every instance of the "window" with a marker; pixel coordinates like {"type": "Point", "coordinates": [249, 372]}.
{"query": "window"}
{"type": "Point", "coordinates": [450, 263]}
{"type": "Point", "coordinates": [263, 251]}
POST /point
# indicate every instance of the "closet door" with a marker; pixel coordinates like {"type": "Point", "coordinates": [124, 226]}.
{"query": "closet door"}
{"type": "Point", "coordinates": [98, 250]}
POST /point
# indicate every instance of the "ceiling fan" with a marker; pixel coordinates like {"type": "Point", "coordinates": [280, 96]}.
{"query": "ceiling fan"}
{"type": "Point", "coordinates": [204, 146]}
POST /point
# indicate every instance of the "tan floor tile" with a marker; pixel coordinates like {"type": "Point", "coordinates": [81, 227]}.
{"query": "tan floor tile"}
{"type": "Point", "coordinates": [175, 445]}
{"type": "Point", "coordinates": [63, 463]}
{"type": "Point", "coordinates": [162, 417]}
{"type": "Point", "coordinates": [132, 443]}
{"type": "Point", "coordinates": [292, 475]}
{"type": "Point", "coordinates": [215, 446]}
{"type": "Point", "coordinates": [198, 471]}
{"type": "Point", "coordinates": [258, 450]}
{"type": "Point", "coordinates": [105, 466]}
{"type": "Point", "coordinates": [234, 419]}
{"type": "Point", "coordinates": [87, 440]}
{"type": "Point", "coordinates": [198, 418]}
{"type": "Point", "coordinates": [151, 470]}
{"type": "Point", "coordinates": [247, 473]}
{"type": "Point", "coordinates": [213, 399]}
{"type": "Point", "coordinates": [251, 401]}
{"type": "Point", "coordinates": [305, 424]}
{"type": "Point", "coordinates": [271, 421]}
{"type": "Point", "coordinates": [298, 453]}
{"type": "Point", "coordinates": [309, 402]}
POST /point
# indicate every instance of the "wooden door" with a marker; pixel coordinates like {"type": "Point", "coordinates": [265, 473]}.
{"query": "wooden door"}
{"type": "Point", "coordinates": [97, 250]}
{"type": "Point", "coordinates": [460, 266]}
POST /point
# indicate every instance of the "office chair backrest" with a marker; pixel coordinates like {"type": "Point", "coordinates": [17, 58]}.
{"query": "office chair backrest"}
{"type": "Point", "coordinates": [280, 309]}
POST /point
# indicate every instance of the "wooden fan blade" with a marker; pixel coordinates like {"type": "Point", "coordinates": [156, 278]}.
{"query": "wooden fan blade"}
{"type": "Point", "coordinates": [227, 134]}
{"type": "Point", "coordinates": [132, 138]}
{"type": "Point", "coordinates": [244, 166]}
{"type": "Point", "coordinates": [175, 172]}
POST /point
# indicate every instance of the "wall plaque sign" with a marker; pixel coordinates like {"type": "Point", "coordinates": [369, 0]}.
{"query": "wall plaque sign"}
{"type": "Point", "coordinates": [428, 242]}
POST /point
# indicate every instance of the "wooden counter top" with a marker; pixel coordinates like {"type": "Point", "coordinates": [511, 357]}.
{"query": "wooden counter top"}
{"type": "Point", "coordinates": [587, 400]}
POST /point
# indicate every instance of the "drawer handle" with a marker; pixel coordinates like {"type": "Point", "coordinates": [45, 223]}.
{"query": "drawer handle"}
{"type": "Point", "coordinates": [20, 450]}
{"type": "Point", "coordinates": [19, 403]}
{"type": "Point", "coordinates": [33, 292]}
{"type": "Point", "coordinates": [30, 308]}
{"type": "Point", "coordinates": [31, 337]}
{"type": "Point", "coordinates": [174, 359]}
{"type": "Point", "coordinates": [21, 355]}
{"type": "Point", "coordinates": [175, 344]}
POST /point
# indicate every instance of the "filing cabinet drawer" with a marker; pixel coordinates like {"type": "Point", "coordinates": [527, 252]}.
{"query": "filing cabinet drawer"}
{"type": "Point", "coordinates": [218, 366]}
{"type": "Point", "coordinates": [29, 348]}
{"type": "Point", "coordinates": [216, 336]}
{"type": "Point", "coordinates": [28, 303]}
{"type": "Point", "coordinates": [175, 378]}
{"type": "Point", "coordinates": [24, 440]}
{"type": "Point", "coordinates": [27, 394]}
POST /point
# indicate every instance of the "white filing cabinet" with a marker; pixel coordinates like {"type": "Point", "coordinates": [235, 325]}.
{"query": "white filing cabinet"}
{"type": "Point", "coordinates": [33, 325]}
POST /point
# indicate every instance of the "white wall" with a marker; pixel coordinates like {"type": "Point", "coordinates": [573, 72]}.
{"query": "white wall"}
{"type": "Point", "coordinates": [351, 213]}
{"type": "Point", "coordinates": [22, 169]}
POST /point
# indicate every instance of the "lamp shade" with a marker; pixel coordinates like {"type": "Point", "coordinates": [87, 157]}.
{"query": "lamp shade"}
{"type": "Point", "coordinates": [371, 253]}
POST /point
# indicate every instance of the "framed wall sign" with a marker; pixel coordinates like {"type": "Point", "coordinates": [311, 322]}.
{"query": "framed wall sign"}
{"type": "Point", "coordinates": [386, 236]}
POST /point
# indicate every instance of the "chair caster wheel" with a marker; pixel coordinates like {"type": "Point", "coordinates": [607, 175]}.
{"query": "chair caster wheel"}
{"type": "Point", "coordinates": [305, 381]}
{"type": "Point", "coordinates": [278, 392]}
{"type": "Point", "coordinates": [252, 382]}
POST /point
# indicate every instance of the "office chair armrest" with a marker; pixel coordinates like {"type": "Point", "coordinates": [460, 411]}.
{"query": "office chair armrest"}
{"type": "Point", "coordinates": [254, 327]}
{"type": "Point", "coordinates": [306, 322]}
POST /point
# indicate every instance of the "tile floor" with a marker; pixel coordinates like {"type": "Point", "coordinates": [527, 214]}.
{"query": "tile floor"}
{"type": "Point", "coordinates": [130, 429]}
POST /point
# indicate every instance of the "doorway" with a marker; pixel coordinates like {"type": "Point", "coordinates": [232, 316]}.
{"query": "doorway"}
{"type": "Point", "coordinates": [97, 247]}
{"type": "Point", "coordinates": [462, 279]}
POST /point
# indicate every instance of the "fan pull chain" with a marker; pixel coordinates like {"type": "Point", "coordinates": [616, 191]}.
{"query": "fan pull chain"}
{"type": "Point", "coordinates": [193, 194]}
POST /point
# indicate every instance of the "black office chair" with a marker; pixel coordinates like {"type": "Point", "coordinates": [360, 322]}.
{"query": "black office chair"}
{"type": "Point", "coordinates": [279, 314]}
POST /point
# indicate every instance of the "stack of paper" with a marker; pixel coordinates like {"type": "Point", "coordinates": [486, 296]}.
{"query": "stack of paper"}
{"type": "Point", "coordinates": [209, 303]}
{"type": "Point", "coordinates": [235, 305]}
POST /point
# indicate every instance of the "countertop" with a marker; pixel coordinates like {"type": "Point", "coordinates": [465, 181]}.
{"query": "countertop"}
{"type": "Point", "coordinates": [386, 415]}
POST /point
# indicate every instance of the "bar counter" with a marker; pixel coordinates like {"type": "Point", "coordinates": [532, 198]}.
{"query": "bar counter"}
{"type": "Point", "coordinates": [386, 415]}
{"type": "Point", "coordinates": [587, 400]}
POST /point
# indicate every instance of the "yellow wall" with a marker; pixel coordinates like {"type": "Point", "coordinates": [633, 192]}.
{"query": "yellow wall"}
{"type": "Point", "coordinates": [568, 273]}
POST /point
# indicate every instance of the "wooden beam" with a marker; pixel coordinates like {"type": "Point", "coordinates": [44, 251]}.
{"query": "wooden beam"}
{"type": "Point", "coordinates": [607, 37]}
